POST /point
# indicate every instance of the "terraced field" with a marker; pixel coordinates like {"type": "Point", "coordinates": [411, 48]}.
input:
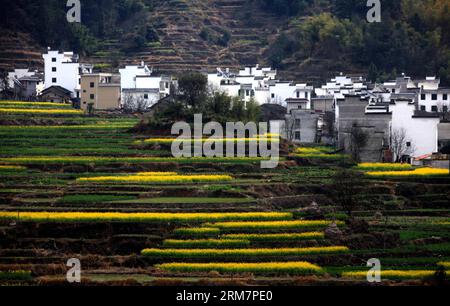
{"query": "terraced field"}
{"type": "Point", "coordinates": [74, 186]}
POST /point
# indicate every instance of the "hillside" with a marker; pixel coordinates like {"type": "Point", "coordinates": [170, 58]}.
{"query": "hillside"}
{"type": "Point", "coordinates": [303, 39]}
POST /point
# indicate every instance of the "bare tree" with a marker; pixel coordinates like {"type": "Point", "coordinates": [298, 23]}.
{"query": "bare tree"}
{"type": "Point", "coordinates": [359, 140]}
{"type": "Point", "coordinates": [289, 128]}
{"type": "Point", "coordinates": [400, 144]}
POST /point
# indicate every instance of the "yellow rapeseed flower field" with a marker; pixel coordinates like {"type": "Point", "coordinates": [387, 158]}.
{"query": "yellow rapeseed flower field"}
{"type": "Point", "coordinates": [298, 267]}
{"type": "Point", "coordinates": [25, 103]}
{"type": "Point", "coordinates": [150, 177]}
{"type": "Point", "coordinates": [239, 253]}
{"type": "Point", "coordinates": [383, 166]}
{"type": "Point", "coordinates": [445, 264]}
{"type": "Point", "coordinates": [41, 111]}
{"type": "Point", "coordinates": [139, 217]}
{"type": "Point", "coordinates": [417, 172]}
{"type": "Point", "coordinates": [392, 274]}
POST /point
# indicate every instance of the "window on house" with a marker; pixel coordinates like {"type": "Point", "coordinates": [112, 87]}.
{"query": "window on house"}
{"type": "Point", "coordinates": [423, 108]}
{"type": "Point", "coordinates": [92, 85]}
{"type": "Point", "coordinates": [434, 108]}
{"type": "Point", "coordinates": [145, 96]}
{"type": "Point", "coordinates": [167, 85]}
{"type": "Point", "coordinates": [273, 96]}
{"type": "Point", "coordinates": [445, 108]}
{"type": "Point", "coordinates": [298, 94]}
{"type": "Point", "coordinates": [247, 92]}
{"type": "Point", "coordinates": [393, 90]}
{"type": "Point", "coordinates": [434, 97]}
{"type": "Point", "coordinates": [445, 97]}
{"type": "Point", "coordinates": [423, 97]}
{"type": "Point", "coordinates": [297, 136]}
{"type": "Point", "coordinates": [252, 93]}
{"type": "Point", "coordinates": [92, 96]}
{"type": "Point", "coordinates": [408, 144]}
{"type": "Point", "coordinates": [54, 80]}
{"type": "Point", "coordinates": [53, 69]}
{"type": "Point", "coordinates": [54, 59]}
{"type": "Point", "coordinates": [297, 123]}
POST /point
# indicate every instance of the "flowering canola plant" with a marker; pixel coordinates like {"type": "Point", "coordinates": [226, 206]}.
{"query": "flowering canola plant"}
{"type": "Point", "coordinates": [139, 217]}
{"type": "Point", "coordinates": [422, 172]}
{"type": "Point", "coordinates": [156, 177]}
{"type": "Point", "coordinates": [384, 166]}
{"type": "Point", "coordinates": [240, 253]}
{"type": "Point", "coordinates": [298, 267]}
{"type": "Point", "coordinates": [41, 111]}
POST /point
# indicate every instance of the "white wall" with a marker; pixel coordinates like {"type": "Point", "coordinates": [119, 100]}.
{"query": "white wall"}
{"type": "Point", "coordinates": [428, 102]}
{"type": "Point", "coordinates": [422, 132]}
{"type": "Point", "coordinates": [67, 73]}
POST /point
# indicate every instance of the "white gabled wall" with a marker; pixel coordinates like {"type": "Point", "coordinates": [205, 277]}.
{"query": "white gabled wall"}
{"type": "Point", "coordinates": [422, 132]}
{"type": "Point", "coordinates": [67, 72]}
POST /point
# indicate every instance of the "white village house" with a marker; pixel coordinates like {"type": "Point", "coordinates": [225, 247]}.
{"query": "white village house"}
{"type": "Point", "coordinates": [64, 70]}
{"type": "Point", "coordinates": [139, 85]}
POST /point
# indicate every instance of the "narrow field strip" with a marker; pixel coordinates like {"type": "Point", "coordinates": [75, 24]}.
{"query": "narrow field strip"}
{"type": "Point", "coordinates": [383, 167]}
{"type": "Point", "coordinates": [97, 159]}
{"type": "Point", "coordinates": [139, 217]}
{"type": "Point", "coordinates": [298, 267]}
{"type": "Point", "coordinates": [15, 275]}
{"type": "Point", "coordinates": [197, 231]}
{"type": "Point", "coordinates": [275, 225]}
{"type": "Point", "coordinates": [51, 111]}
{"type": "Point", "coordinates": [422, 172]}
{"type": "Point", "coordinates": [148, 177]}
{"type": "Point", "coordinates": [240, 253]}
{"type": "Point", "coordinates": [206, 243]}
{"type": "Point", "coordinates": [276, 237]}
{"type": "Point", "coordinates": [392, 274]}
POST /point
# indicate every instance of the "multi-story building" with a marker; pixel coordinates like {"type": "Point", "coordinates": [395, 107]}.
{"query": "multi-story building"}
{"type": "Point", "coordinates": [140, 86]}
{"type": "Point", "coordinates": [100, 90]}
{"type": "Point", "coordinates": [64, 70]}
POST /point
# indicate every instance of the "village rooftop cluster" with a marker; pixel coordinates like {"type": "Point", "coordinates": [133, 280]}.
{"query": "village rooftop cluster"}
{"type": "Point", "coordinates": [404, 119]}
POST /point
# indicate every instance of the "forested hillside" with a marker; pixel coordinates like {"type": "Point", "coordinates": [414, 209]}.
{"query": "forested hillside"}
{"type": "Point", "coordinates": [305, 39]}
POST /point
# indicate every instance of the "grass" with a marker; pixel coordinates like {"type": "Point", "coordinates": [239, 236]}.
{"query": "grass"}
{"type": "Point", "coordinates": [297, 268]}
{"type": "Point", "coordinates": [92, 198]}
{"type": "Point", "coordinates": [138, 217]}
{"type": "Point", "coordinates": [188, 200]}
{"type": "Point", "coordinates": [240, 253]}
{"type": "Point", "coordinates": [15, 275]}
{"type": "Point", "coordinates": [197, 232]}
{"type": "Point", "coordinates": [392, 274]}
{"type": "Point", "coordinates": [115, 160]}
{"type": "Point", "coordinates": [272, 225]}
